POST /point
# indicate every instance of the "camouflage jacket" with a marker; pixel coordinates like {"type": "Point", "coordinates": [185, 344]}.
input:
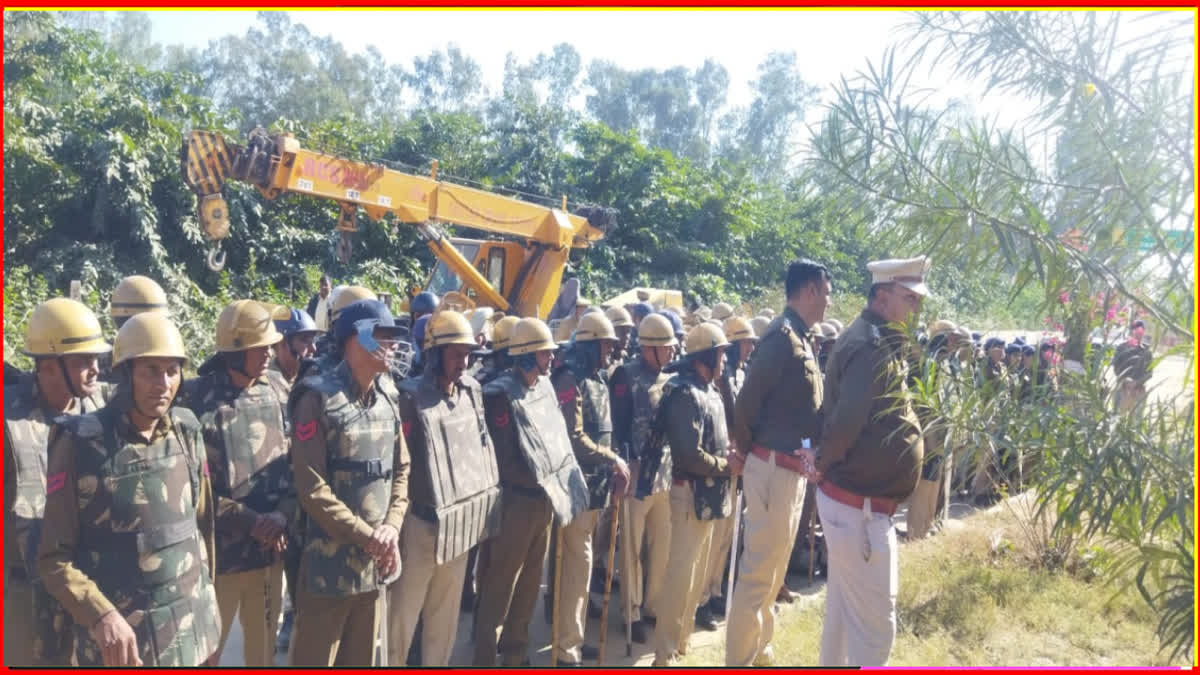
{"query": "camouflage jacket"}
{"type": "Point", "coordinates": [585, 409]}
{"type": "Point", "coordinates": [248, 458]}
{"type": "Point", "coordinates": [693, 418]}
{"type": "Point", "coordinates": [128, 526]}
{"type": "Point", "coordinates": [635, 394]}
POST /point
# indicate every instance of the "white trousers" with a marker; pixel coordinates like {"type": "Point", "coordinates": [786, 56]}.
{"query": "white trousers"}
{"type": "Point", "coordinates": [860, 596]}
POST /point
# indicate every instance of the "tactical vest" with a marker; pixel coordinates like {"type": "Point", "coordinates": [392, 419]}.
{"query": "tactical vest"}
{"type": "Point", "coordinates": [244, 431]}
{"type": "Point", "coordinates": [647, 392]}
{"type": "Point", "coordinates": [461, 465]}
{"type": "Point", "coordinates": [545, 443]}
{"type": "Point", "coordinates": [711, 494]}
{"type": "Point", "coordinates": [597, 426]}
{"type": "Point", "coordinates": [360, 442]}
{"type": "Point", "coordinates": [138, 539]}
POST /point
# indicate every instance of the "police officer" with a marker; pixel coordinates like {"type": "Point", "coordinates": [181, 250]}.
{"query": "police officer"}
{"type": "Point", "coordinates": [241, 418]}
{"type": "Point", "coordinates": [777, 415]}
{"type": "Point", "coordinates": [993, 382]}
{"type": "Point", "coordinates": [623, 325]}
{"type": "Point", "coordinates": [636, 387]}
{"type": "Point", "coordinates": [540, 479]}
{"type": "Point", "coordinates": [351, 471]}
{"type": "Point", "coordinates": [454, 492]}
{"type": "Point", "coordinates": [582, 389]}
{"type": "Point", "coordinates": [677, 327]}
{"type": "Point", "coordinates": [924, 502]}
{"type": "Point", "coordinates": [638, 312]}
{"type": "Point", "coordinates": [423, 304]}
{"type": "Point", "coordinates": [127, 538]}
{"type": "Point", "coordinates": [65, 340]}
{"type": "Point", "coordinates": [693, 422]}
{"type": "Point", "coordinates": [297, 342]}
{"type": "Point", "coordinates": [868, 461]}
{"type": "Point", "coordinates": [498, 360]}
{"type": "Point", "coordinates": [136, 294]}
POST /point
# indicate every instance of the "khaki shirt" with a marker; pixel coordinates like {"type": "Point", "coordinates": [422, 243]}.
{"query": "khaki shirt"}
{"type": "Point", "coordinates": [871, 443]}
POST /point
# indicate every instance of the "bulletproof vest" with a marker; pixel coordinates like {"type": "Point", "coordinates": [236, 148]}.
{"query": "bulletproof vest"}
{"type": "Point", "coordinates": [545, 443]}
{"type": "Point", "coordinates": [461, 463]}
{"type": "Point", "coordinates": [711, 495]}
{"type": "Point", "coordinates": [138, 539]}
{"type": "Point", "coordinates": [597, 425]}
{"type": "Point", "coordinates": [245, 433]}
{"type": "Point", "coordinates": [647, 392]}
{"type": "Point", "coordinates": [360, 442]}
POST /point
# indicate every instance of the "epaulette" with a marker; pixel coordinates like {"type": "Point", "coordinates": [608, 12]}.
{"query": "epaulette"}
{"type": "Point", "coordinates": [873, 334]}
{"type": "Point", "coordinates": [81, 426]}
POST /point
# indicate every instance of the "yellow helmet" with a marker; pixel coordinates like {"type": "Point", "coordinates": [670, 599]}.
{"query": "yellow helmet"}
{"type": "Point", "coordinates": [62, 326]}
{"type": "Point", "coordinates": [939, 327]}
{"type": "Point", "coordinates": [704, 337]}
{"type": "Point", "coordinates": [736, 328]}
{"type": "Point", "coordinates": [656, 331]}
{"type": "Point", "coordinates": [148, 334]}
{"type": "Point", "coordinates": [136, 294]}
{"type": "Point", "coordinates": [346, 297]}
{"type": "Point", "coordinates": [722, 311]}
{"type": "Point", "coordinates": [565, 328]}
{"type": "Point", "coordinates": [760, 324]}
{"type": "Point", "coordinates": [502, 331]}
{"type": "Point", "coordinates": [246, 324]}
{"type": "Point", "coordinates": [448, 327]}
{"type": "Point", "coordinates": [619, 317]}
{"type": "Point", "coordinates": [595, 326]}
{"type": "Point", "coordinates": [836, 324]}
{"type": "Point", "coordinates": [530, 335]}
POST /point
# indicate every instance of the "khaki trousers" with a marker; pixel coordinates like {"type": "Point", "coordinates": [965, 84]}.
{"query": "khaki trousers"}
{"type": "Point", "coordinates": [774, 499]}
{"type": "Point", "coordinates": [19, 633]}
{"type": "Point", "coordinates": [921, 507]}
{"type": "Point", "coordinates": [427, 592]}
{"type": "Point", "coordinates": [510, 575]}
{"type": "Point", "coordinates": [718, 555]}
{"type": "Point", "coordinates": [249, 595]}
{"type": "Point", "coordinates": [335, 631]}
{"type": "Point", "coordinates": [860, 596]}
{"type": "Point", "coordinates": [650, 532]}
{"type": "Point", "coordinates": [691, 539]}
{"type": "Point", "coordinates": [577, 558]}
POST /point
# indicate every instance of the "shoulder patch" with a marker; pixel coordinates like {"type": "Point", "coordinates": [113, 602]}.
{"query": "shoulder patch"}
{"type": "Point", "coordinates": [306, 431]}
{"type": "Point", "coordinates": [566, 395]}
{"type": "Point", "coordinates": [56, 482]}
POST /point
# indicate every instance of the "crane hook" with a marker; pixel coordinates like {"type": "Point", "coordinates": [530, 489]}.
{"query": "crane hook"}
{"type": "Point", "coordinates": [216, 258]}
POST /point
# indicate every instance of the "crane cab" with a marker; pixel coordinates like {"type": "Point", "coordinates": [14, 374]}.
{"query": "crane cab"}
{"type": "Point", "coordinates": [528, 276]}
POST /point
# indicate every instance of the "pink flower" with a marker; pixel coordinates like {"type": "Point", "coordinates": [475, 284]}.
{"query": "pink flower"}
{"type": "Point", "coordinates": [1111, 314]}
{"type": "Point", "coordinates": [1063, 297]}
{"type": "Point", "coordinates": [1058, 326]}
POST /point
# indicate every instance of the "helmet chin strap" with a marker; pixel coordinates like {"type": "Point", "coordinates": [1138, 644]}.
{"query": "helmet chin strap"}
{"type": "Point", "coordinates": [239, 366]}
{"type": "Point", "coordinates": [62, 368]}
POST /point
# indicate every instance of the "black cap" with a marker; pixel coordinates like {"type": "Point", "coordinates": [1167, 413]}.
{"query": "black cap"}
{"type": "Point", "coordinates": [364, 315]}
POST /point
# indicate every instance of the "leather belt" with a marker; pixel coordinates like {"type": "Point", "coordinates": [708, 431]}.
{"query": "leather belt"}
{"type": "Point", "coordinates": [878, 504]}
{"type": "Point", "coordinates": [782, 459]}
{"type": "Point", "coordinates": [680, 481]}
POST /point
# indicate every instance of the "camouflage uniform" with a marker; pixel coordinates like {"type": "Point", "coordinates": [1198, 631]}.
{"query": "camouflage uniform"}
{"type": "Point", "coordinates": [129, 526]}
{"type": "Point", "coordinates": [693, 419]}
{"type": "Point", "coordinates": [247, 451]}
{"type": "Point", "coordinates": [351, 471]}
{"type": "Point", "coordinates": [47, 639]}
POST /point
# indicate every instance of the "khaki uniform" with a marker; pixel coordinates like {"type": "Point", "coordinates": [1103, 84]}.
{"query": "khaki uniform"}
{"type": "Point", "coordinates": [777, 409]}
{"type": "Point", "coordinates": [694, 424]}
{"type": "Point", "coordinates": [870, 451]}
{"type": "Point", "coordinates": [636, 390]}
{"type": "Point", "coordinates": [729, 385]}
{"type": "Point", "coordinates": [129, 527]}
{"type": "Point", "coordinates": [247, 453]}
{"type": "Point", "coordinates": [351, 470]}
{"type": "Point", "coordinates": [37, 628]}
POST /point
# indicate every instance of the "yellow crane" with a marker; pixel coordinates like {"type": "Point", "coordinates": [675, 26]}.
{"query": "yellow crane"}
{"type": "Point", "coordinates": [520, 275]}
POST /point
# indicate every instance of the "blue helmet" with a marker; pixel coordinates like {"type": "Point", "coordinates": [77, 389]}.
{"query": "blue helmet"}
{"type": "Point", "coordinates": [676, 322]}
{"type": "Point", "coordinates": [424, 302]}
{"type": "Point", "coordinates": [363, 317]}
{"type": "Point", "coordinates": [298, 321]}
{"type": "Point", "coordinates": [642, 309]}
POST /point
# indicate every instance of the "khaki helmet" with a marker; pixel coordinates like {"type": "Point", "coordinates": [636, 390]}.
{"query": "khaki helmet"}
{"type": "Point", "coordinates": [836, 324]}
{"type": "Point", "coordinates": [768, 312]}
{"type": "Point", "coordinates": [656, 331]}
{"type": "Point", "coordinates": [595, 326]}
{"type": "Point", "coordinates": [136, 294]}
{"type": "Point", "coordinates": [145, 335]}
{"type": "Point", "coordinates": [246, 324]}
{"type": "Point", "coordinates": [619, 317]}
{"type": "Point", "coordinates": [736, 328]}
{"type": "Point", "coordinates": [346, 297]}
{"type": "Point", "coordinates": [448, 327]}
{"type": "Point", "coordinates": [703, 338]}
{"type": "Point", "coordinates": [530, 335]}
{"type": "Point", "coordinates": [502, 331]}
{"type": "Point", "coordinates": [940, 327]}
{"type": "Point", "coordinates": [61, 326]}
{"type": "Point", "coordinates": [828, 332]}
{"type": "Point", "coordinates": [760, 325]}
{"type": "Point", "coordinates": [722, 311]}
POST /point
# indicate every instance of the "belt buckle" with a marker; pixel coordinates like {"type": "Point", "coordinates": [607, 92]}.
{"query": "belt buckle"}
{"type": "Point", "coordinates": [374, 468]}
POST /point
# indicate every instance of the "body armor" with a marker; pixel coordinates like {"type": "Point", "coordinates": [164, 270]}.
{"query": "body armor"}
{"type": "Point", "coordinates": [360, 443]}
{"type": "Point", "coordinates": [461, 464]}
{"type": "Point", "coordinates": [647, 393]}
{"type": "Point", "coordinates": [597, 425]}
{"type": "Point", "coordinates": [138, 539]}
{"type": "Point", "coordinates": [711, 494]}
{"type": "Point", "coordinates": [244, 432]}
{"type": "Point", "coordinates": [545, 443]}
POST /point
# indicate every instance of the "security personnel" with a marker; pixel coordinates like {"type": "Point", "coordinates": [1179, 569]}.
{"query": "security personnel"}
{"type": "Point", "coordinates": [722, 311]}
{"type": "Point", "coordinates": [498, 361]}
{"type": "Point", "coordinates": [351, 471]}
{"type": "Point", "coordinates": [868, 461]}
{"type": "Point", "coordinates": [582, 389]}
{"type": "Point", "coordinates": [924, 502]}
{"type": "Point", "coordinates": [297, 342]}
{"type": "Point", "coordinates": [455, 492]}
{"type": "Point", "coordinates": [760, 324]}
{"type": "Point", "coordinates": [742, 342]}
{"type": "Point", "coordinates": [423, 304]}
{"type": "Point", "coordinates": [638, 312]}
{"type": "Point", "coordinates": [1131, 366]}
{"type": "Point", "coordinates": [636, 388]}
{"type": "Point", "coordinates": [241, 419]}
{"type": "Point", "coordinates": [136, 294]}
{"type": "Point", "coordinates": [623, 325]}
{"type": "Point", "coordinates": [992, 380]}
{"type": "Point", "coordinates": [677, 327]}
{"type": "Point", "coordinates": [540, 479]}
{"type": "Point", "coordinates": [328, 354]}
{"type": "Point", "coordinates": [692, 418]}
{"type": "Point", "coordinates": [127, 538]}
{"type": "Point", "coordinates": [776, 416]}
{"type": "Point", "coordinates": [65, 340]}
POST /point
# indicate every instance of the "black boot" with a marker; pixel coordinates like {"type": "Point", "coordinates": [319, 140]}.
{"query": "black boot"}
{"type": "Point", "coordinates": [716, 605]}
{"type": "Point", "coordinates": [704, 618]}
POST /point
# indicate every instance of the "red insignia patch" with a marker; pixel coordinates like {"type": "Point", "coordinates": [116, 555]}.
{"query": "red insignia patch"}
{"type": "Point", "coordinates": [502, 420]}
{"type": "Point", "coordinates": [306, 431]}
{"type": "Point", "coordinates": [206, 468]}
{"type": "Point", "coordinates": [566, 396]}
{"type": "Point", "coordinates": [406, 427]}
{"type": "Point", "coordinates": [56, 482]}
{"type": "Point", "coordinates": [620, 389]}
